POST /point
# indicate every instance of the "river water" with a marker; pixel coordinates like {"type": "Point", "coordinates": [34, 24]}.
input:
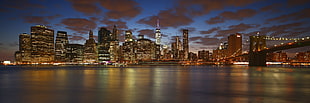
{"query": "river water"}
{"type": "Point", "coordinates": [154, 84]}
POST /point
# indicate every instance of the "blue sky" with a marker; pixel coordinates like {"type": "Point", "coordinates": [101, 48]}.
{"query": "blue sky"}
{"type": "Point", "coordinates": [209, 21]}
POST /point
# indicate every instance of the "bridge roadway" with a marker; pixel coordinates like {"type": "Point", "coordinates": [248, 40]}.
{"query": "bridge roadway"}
{"type": "Point", "coordinates": [259, 58]}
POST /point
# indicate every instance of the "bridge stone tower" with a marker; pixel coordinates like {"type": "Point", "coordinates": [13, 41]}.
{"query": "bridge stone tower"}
{"type": "Point", "coordinates": [257, 44]}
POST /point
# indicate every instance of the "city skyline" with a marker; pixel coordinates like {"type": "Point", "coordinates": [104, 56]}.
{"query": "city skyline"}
{"type": "Point", "coordinates": [208, 25]}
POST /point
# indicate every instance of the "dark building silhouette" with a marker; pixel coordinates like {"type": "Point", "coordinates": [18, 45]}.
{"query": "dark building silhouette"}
{"type": "Point", "coordinates": [176, 48]}
{"type": "Point", "coordinates": [185, 44]}
{"type": "Point", "coordinates": [104, 39]}
{"type": "Point", "coordinates": [61, 46]}
{"type": "Point", "coordinates": [203, 55]}
{"type": "Point", "coordinates": [75, 53]}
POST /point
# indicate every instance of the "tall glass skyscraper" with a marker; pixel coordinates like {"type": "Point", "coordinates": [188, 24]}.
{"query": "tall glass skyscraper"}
{"type": "Point", "coordinates": [185, 44]}
{"type": "Point", "coordinates": [60, 46]}
{"type": "Point", "coordinates": [104, 40]}
{"type": "Point", "coordinates": [157, 34]}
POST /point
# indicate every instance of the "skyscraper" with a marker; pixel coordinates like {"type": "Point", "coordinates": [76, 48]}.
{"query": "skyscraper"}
{"type": "Point", "coordinates": [24, 53]}
{"type": "Point", "coordinates": [157, 34]}
{"type": "Point", "coordinates": [145, 49]}
{"type": "Point", "coordinates": [90, 49]}
{"type": "Point", "coordinates": [234, 45]}
{"type": "Point", "coordinates": [128, 36]}
{"type": "Point", "coordinates": [176, 48]}
{"type": "Point", "coordinates": [185, 44]}
{"type": "Point", "coordinates": [74, 53]}
{"type": "Point", "coordinates": [128, 49]}
{"type": "Point", "coordinates": [42, 41]}
{"type": "Point", "coordinates": [203, 55]}
{"type": "Point", "coordinates": [104, 40]}
{"type": "Point", "coordinates": [114, 35]}
{"type": "Point", "coordinates": [60, 46]}
{"type": "Point", "coordinates": [114, 45]}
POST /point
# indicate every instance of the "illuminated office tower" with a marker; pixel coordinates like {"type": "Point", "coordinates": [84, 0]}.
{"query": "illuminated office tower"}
{"type": "Point", "coordinates": [60, 46]}
{"type": "Point", "coordinates": [128, 36]}
{"type": "Point", "coordinates": [90, 49]}
{"type": "Point", "coordinates": [234, 45]}
{"type": "Point", "coordinates": [114, 45]}
{"type": "Point", "coordinates": [24, 53]}
{"type": "Point", "coordinates": [185, 44]}
{"type": "Point", "coordinates": [157, 34]}
{"type": "Point", "coordinates": [104, 40]}
{"type": "Point", "coordinates": [128, 48]}
{"type": "Point", "coordinates": [146, 49]}
{"type": "Point", "coordinates": [42, 41]}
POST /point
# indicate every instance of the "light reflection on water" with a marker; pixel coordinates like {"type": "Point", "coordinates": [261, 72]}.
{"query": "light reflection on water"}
{"type": "Point", "coordinates": [154, 84]}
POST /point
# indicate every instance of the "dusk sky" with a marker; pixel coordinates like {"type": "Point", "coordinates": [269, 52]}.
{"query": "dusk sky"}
{"type": "Point", "coordinates": [209, 21]}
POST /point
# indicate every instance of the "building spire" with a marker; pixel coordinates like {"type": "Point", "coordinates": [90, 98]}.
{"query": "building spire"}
{"type": "Point", "coordinates": [91, 35]}
{"type": "Point", "coordinates": [157, 24]}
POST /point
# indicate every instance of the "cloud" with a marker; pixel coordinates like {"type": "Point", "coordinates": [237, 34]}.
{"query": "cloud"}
{"type": "Point", "coordinates": [195, 38]}
{"type": "Point", "coordinates": [208, 41]}
{"type": "Point", "coordinates": [36, 19]}
{"type": "Point", "coordinates": [228, 15]}
{"type": "Point", "coordinates": [147, 32]}
{"type": "Point", "coordinates": [20, 4]}
{"type": "Point", "coordinates": [281, 30]}
{"type": "Point", "coordinates": [40, 19]}
{"type": "Point", "coordinates": [297, 2]}
{"type": "Point", "coordinates": [235, 29]}
{"type": "Point", "coordinates": [273, 7]}
{"type": "Point", "coordinates": [80, 25]}
{"type": "Point", "coordinates": [303, 14]}
{"type": "Point", "coordinates": [210, 5]}
{"type": "Point", "coordinates": [115, 9]}
{"type": "Point", "coordinates": [121, 8]}
{"type": "Point", "coordinates": [215, 20]}
{"type": "Point", "coordinates": [76, 38]}
{"type": "Point", "coordinates": [210, 30]}
{"type": "Point", "coordinates": [168, 18]}
{"type": "Point", "coordinates": [87, 7]}
{"type": "Point", "coordinates": [119, 23]}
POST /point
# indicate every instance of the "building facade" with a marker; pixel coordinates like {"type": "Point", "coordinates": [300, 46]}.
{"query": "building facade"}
{"type": "Point", "coordinates": [61, 46]}
{"type": "Point", "coordinates": [234, 45]}
{"type": "Point", "coordinates": [75, 53]}
{"type": "Point", "coordinates": [24, 53]}
{"type": "Point", "coordinates": [157, 34]}
{"type": "Point", "coordinates": [104, 39]}
{"type": "Point", "coordinates": [42, 42]}
{"type": "Point", "coordinates": [114, 46]}
{"type": "Point", "coordinates": [185, 44]}
{"type": "Point", "coordinates": [90, 49]}
{"type": "Point", "coordinates": [203, 55]}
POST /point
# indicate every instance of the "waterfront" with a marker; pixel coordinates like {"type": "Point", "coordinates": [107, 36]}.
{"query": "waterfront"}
{"type": "Point", "coordinates": [154, 84]}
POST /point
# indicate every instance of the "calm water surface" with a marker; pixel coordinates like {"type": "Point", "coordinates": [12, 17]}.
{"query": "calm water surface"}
{"type": "Point", "coordinates": [154, 84]}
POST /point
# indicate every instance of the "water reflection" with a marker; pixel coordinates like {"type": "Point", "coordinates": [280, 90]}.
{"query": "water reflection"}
{"type": "Point", "coordinates": [157, 84]}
